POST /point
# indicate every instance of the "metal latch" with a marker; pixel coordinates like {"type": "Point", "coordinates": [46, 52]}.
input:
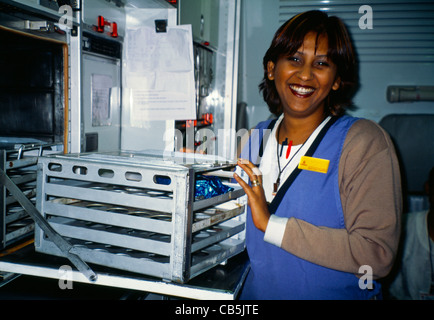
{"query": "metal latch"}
{"type": "Point", "coordinates": [32, 25]}
{"type": "Point", "coordinates": [37, 25]}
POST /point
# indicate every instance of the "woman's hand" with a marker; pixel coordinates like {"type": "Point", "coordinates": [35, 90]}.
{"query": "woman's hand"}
{"type": "Point", "coordinates": [255, 194]}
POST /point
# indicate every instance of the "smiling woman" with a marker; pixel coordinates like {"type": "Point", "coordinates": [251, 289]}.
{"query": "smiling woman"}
{"type": "Point", "coordinates": [332, 45]}
{"type": "Point", "coordinates": [329, 193]}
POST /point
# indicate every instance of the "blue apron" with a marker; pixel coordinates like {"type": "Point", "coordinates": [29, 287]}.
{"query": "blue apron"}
{"type": "Point", "coordinates": [315, 198]}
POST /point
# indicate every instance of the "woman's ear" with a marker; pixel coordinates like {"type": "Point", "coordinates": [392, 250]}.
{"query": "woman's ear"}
{"type": "Point", "coordinates": [270, 70]}
{"type": "Point", "coordinates": [336, 84]}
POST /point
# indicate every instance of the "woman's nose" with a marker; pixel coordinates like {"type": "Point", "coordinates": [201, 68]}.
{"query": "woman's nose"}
{"type": "Point", "coordinates": [305, 72]}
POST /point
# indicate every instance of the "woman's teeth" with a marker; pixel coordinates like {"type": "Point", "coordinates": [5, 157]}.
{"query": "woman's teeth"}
{"type": "Point", "coordinates": [302, 90]}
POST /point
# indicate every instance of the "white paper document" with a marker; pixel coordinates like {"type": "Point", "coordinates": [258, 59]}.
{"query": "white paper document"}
{"type": "Point", "coordinates": [159, 74]}
{"type": "Point", "coordinates": [101, 93]}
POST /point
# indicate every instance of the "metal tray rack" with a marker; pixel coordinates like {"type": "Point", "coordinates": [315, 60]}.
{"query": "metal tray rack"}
{"type": "Point", "coordinates": [18, 161]}
{"type": "Point", "coordinates": [137, 211]}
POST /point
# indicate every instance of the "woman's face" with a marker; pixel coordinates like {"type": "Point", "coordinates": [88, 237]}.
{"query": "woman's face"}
{"type": "Point", "coordinates": [304, 80]}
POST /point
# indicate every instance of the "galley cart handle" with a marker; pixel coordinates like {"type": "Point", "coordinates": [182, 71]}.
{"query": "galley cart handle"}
{"type": "Point", "coordinates": [64, 246]}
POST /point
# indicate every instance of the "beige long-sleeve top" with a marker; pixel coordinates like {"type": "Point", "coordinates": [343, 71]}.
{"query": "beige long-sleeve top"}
{"type": "Point", "coordinates": [370, 189]}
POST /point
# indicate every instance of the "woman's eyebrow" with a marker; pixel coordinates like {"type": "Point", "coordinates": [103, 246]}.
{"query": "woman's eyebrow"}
{"type": "Point", "coordinates": [316, 55]}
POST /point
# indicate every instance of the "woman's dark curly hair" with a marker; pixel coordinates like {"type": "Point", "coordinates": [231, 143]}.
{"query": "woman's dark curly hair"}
{"type": "Point", "coordinates": [290, 37]}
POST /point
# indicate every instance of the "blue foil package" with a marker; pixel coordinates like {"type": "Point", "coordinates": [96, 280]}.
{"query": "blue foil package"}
{"type": "Point", "coordinates": [209, 186]}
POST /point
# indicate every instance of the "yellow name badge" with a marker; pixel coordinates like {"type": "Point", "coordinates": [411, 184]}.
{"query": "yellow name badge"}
{"type": "Point", "coordinates": [314, 164]}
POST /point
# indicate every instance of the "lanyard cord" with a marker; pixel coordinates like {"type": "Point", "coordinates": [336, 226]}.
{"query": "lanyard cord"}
{"type": "Point", "coordinates": [314, 134]}
{"type": "Point", "coordinates": [277, 183]}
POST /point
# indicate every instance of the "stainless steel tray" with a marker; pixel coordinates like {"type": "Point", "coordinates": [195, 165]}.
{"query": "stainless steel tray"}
{"type": "Point", "coordinates": [18, 160]}
{"type": "Point", "coordinates": [116, 211]}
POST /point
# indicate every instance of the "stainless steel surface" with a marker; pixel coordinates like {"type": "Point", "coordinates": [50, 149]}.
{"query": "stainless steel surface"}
{"type": "Point", "coordinates": [116, 213]}
{"type": "Point", "coordinates": [101, 91]}
{"type": "Point", "coordinates": [223, 282]}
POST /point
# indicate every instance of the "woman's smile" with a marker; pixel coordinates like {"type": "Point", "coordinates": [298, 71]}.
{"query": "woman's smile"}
{"type": "Point", "coordinates": [301, 91]}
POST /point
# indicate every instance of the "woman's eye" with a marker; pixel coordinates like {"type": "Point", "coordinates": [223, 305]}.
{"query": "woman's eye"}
{"type": "Point", "coordinates": [293, 59]}
{"type": "Point", "coordinates": [323, 63]}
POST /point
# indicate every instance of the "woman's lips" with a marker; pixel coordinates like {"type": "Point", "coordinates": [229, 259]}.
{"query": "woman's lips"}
{"type": "Point", "coordinates": [301, 91]}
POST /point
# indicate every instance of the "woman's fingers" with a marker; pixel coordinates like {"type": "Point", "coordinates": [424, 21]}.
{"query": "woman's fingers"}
{"type": "Point", "coordinates": [241, 182]}
{"type": "Point", "coordinates": [255, 193]}
{"type": "Point", "coordinates": [256, 201]}
{"type": "Point", "coordinates": [253, 172]}
{"type": "Point", "coordinates": [247, 189]}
